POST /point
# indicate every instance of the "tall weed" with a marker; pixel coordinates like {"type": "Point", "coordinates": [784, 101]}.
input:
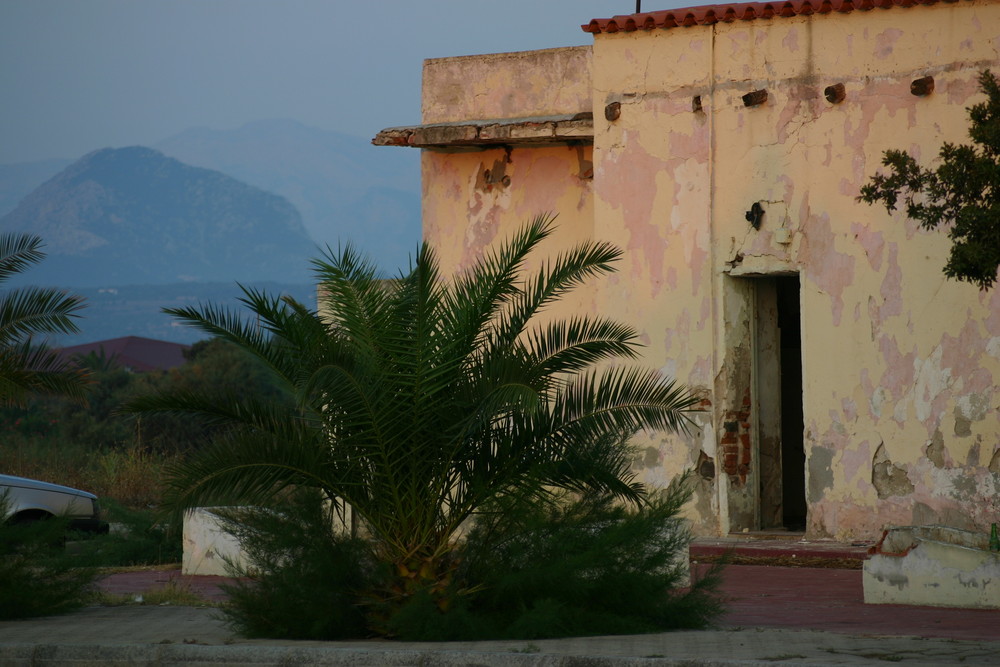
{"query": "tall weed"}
{"type": "Point", "coordinates": [131, 475]}
{"type": "Point", "coordinates": [128, 482]}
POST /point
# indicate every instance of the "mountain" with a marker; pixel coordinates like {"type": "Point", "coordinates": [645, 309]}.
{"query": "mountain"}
{"type": "Point", "coordinates": [133, 216]}
{"type": "Point", "coordinates": [345, 188]}
{"type": "Point", "coordinates": [18, 180]}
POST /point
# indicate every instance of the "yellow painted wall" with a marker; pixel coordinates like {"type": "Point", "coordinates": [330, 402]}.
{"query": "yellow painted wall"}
{"type": "Point", "coordinates": [901, 367]}
{"type": "Point", "coordinates": [506, 85]}
{"type": "Point", "coordinates": [475, 197]}
{"type": "Point", "coordinates": [472, 199]}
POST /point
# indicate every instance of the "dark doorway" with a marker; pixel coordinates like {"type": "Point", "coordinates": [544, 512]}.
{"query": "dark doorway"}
{"type": "Point", "coordinates": [778, 385]}
{"type": "Point", "coordinates": [793, 458]}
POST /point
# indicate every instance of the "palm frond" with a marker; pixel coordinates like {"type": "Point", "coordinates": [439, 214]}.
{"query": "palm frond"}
{"type": "Point", "coordinates": [618, 399]}
{"type": "Point", "coordinates": [568, 346]}
{"type": "Point", "coordinates": [27, 369]}
{"type": "Point", "coordinates": [476, 297]}
{"type": "Point", "coordinates": [553, 280]}
{"type": "Point", "coordinates": [31, 311]}
{"type": "Point", "coordinates": [418, 401]}
{"type": "Point", "coordinates": [248, 468]}
{"type": "Point", "coordinates": [18, 252]}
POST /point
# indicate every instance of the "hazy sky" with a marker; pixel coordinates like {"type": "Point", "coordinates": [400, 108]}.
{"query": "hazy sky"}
{"type": "Point", "coordinates": [78, 75]}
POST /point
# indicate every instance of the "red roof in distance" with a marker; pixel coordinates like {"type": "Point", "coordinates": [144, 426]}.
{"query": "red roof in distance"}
{"type": "Point", "coordinates": [133, 352]}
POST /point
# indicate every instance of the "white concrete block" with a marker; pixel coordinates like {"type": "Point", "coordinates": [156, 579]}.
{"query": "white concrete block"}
{"type": "Point", "coordinates": [934, 566]}
{"type": "Point", "coordinates": [207, 545]}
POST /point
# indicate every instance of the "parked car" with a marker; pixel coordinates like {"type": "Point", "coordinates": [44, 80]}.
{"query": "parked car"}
{"type": "Point", "coordinates": [25, 499]}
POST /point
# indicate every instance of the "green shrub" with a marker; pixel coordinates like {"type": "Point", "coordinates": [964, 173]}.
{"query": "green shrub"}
{"type": "Point", "coordinates": [575, 566]}
{"type": "Point", "coordinates": [304, 579]}
{"type": "Point", "coordinates": [139, 538]}
{"type": "Point", "coordinates": [37, 575]}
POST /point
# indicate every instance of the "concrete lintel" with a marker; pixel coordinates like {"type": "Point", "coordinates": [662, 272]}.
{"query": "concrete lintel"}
{"type": "Point", "coordinates": [536, 130]}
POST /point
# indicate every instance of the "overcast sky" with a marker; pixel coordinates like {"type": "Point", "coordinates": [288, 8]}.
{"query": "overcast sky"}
{"type": "Point", "coordinates": [78, 75]}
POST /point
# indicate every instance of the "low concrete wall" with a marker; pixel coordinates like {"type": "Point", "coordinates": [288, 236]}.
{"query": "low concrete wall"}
{"type": "Point", "coordinates": [935, 566]}
{"type": "Point", "coordinates": [207, 546]}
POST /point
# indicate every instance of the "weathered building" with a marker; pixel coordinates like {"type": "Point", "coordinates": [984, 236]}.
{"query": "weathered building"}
{"type": "Point", "coordinates": [849, 384]}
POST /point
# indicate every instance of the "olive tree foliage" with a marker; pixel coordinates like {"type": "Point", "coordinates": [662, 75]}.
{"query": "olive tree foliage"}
{"type": "Point", "coordinates": [27, 316]}
{"type": "Point", "coordinates": [963, 190]}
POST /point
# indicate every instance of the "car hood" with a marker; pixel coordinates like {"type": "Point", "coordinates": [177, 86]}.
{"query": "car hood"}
{"type": "Point", "coordinates": [24, 483]}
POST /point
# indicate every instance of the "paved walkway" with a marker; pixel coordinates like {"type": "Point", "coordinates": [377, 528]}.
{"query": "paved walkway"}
{"type": "Point", "coordinates": [776, 615]}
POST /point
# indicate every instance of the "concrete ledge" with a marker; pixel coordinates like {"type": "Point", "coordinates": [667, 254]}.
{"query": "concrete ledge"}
{"type": "Point", "coordinates": [541, 130]}
{"type": "Point", "coordinates": [177, 655]}
{"type": "Point", "coordinates": [933, 566]}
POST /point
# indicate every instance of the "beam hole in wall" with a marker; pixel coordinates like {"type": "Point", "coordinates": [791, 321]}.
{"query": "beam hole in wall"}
{"type": "Point", "coordinates": [922, 87]}
{"type": "Point", "coordinates": [755, 98]}
{"type": "Point", "coordinates": [835, 94]}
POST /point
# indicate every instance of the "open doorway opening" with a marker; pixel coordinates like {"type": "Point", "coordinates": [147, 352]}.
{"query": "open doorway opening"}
{"type": "Point", "coordinates": [777, 379]}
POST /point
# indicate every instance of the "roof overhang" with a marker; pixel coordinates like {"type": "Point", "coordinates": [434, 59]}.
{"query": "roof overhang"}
{"type": "Point", "coordinates": [535, 130]}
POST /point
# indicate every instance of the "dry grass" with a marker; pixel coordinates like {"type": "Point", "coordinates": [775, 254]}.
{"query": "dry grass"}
{"type": "Point", "coordinates": [132, 476]}
{"type": "Point", "coordinates": [171, 593]}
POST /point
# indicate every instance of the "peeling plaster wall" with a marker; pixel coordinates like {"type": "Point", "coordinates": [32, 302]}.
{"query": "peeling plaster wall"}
{"type": "Point", "coordinates": [476, 198]}
{"type": "Point", "coordinates": [901, 367]}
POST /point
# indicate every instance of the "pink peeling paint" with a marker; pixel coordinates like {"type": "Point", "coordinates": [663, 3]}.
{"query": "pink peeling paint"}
{"type": "Point", "coordinates": [962, 356]}
{"type": "Point", "coordinates": [798, 104]}
{"type": "Point", "coordinates": [630, 175]}
{"type": "Point", "coordinates": [831, 270]}
{"type": "Point", "coordinates": [899, 373]}
{"type": "Point", "coordinates": [885, 41]}
{"type": "Point", "coordinates": [992, 321]}
{"type": "Point", "coordinates": [791, 40]}
{"type": "Point", "coordinates": [856, 462]}
{"type": "Point", "coordinates": [872, 242]}
{"type": "Point", "coordinates": [892, 286]}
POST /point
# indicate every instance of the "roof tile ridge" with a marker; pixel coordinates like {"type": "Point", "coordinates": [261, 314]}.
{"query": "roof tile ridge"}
{"type": "Point", "coordinates": [743, 11]}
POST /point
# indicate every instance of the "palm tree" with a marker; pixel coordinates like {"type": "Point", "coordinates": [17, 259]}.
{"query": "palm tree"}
{"type": "Point", "coordinates": [416, 402]}
{"type": "Point", "coordinates": [27, 366]}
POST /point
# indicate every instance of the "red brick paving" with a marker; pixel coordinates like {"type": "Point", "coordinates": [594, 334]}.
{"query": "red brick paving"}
{"type": "Point", "coordinates": [833, 600]}
{"type": "Point", "coordinates": [782, 547]}
{"type": "Point", "coordinates": [757, 596]}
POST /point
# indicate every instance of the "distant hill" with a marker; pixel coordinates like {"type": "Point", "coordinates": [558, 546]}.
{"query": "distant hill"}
{"type": "Point", "coordinates": [18, 180]}
{"type": "Point", "coordinates": [133, 216]}
{"type": "Point", "coordinates": [345, 188]}
{"type": "Point", "coordinates": [135, 310]}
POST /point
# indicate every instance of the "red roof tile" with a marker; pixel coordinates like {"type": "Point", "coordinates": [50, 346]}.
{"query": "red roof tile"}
{"type": "Point", "coordinates": [744, 11]}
